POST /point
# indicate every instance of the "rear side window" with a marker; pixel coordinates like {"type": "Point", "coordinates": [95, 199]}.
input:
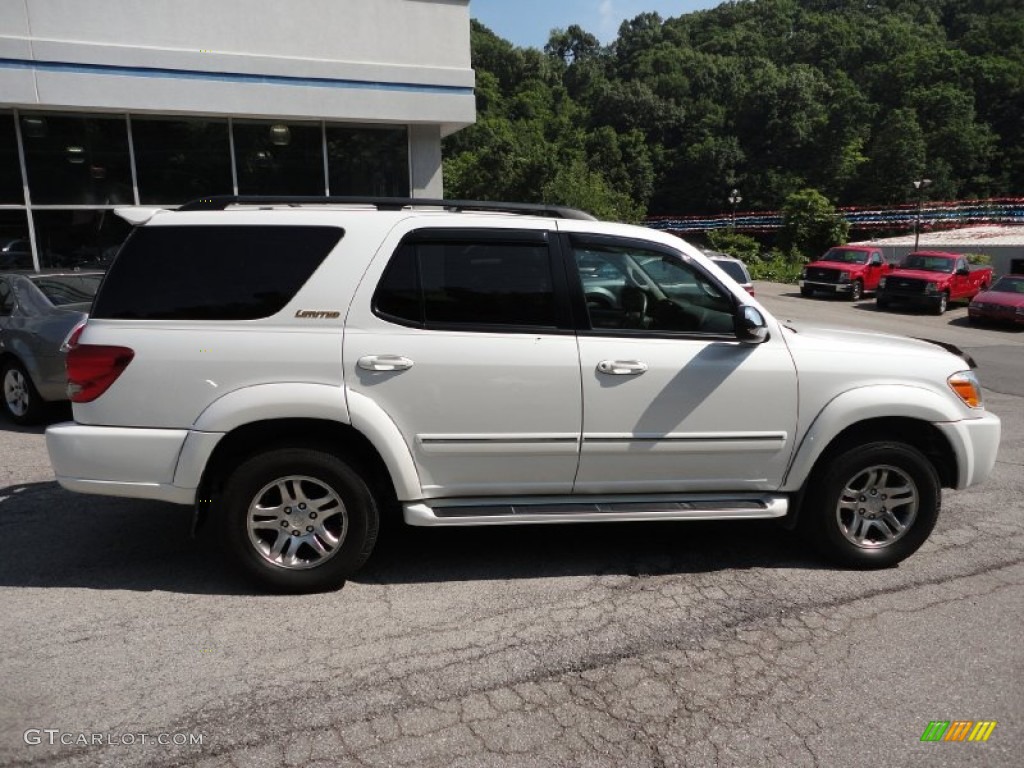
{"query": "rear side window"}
{"type": "Point", "coordinates": [211, 272]}
{"type": "Point", "coordinates": [469, 283]}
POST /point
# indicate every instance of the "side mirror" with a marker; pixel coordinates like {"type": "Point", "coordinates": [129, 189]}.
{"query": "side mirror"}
{"type": "Point", "coordinates": [749, 325]}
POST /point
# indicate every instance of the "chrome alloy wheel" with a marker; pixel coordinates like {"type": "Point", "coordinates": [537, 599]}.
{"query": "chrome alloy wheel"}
{"type": "Point", "coordinates": [16, 394]}
{"type": "Point", "coordinates": [297, 522]}
{"type": "Point", "coordinates": [877, 507]}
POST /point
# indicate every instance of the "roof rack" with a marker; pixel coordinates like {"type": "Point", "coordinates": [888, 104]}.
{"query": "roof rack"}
{"type": "Point", "coordinates": [220, 202]}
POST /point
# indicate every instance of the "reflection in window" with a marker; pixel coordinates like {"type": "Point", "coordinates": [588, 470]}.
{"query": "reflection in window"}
{"type": "Point", "coordinates": [10, 169]}
{"type": "Point", "coordinates": [15, 250]}
{"type": "Point", "coordinates": [83, 239]}
{"type": "Point", "coordinates": [77, 160]}
{"type": "Point", "coordinates": [368, 161]}
{"type": "Point", "coordinates": [279, 158]}
{"type": "Point", "coordinates": [181, 160]}
{"type": "Point", "coordinates": [62, 290]}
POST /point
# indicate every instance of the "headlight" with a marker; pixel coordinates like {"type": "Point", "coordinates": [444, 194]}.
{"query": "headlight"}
{"type": "Point", "coordinates": [881, 283]}
{"type": "Point", "coordinates": [844, 277]}
{"type": "Point", "coordinates": [931, 288]}
{"type": "Point", "coordinates": [967, 388]}
{"type": "Point", "coordinates": [803, 274]}
{"type": "Point", "coordinates": [1020, 310]}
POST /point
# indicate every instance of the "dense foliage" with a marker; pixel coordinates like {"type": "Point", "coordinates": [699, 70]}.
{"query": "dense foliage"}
{"type": "Point", "coordinates": [849, 99]}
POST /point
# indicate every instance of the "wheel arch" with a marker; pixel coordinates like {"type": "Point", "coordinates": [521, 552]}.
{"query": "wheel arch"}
{"type": "Point", "coordinates": [342, 440]}
{"type": "Point", "coordinates": [901, 413]}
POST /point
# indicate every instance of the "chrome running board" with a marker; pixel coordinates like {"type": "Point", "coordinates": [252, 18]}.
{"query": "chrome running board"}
{"type": "Point", "coordinates": [527, 510]}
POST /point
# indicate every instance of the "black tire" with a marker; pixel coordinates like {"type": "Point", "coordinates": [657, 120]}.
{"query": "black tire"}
{"type": "Point", "coordinates": [332, 522]}
{"type": "Point", "coordinates": [19, 397]}
{"type": "Point", "coordinates": [943, 305]}
{"type": "Point", "coordinates": [832, 509]}
{"type": "Point", "coordinates": [857, 290]}
{"type": "Point", "coordinates": [806, 292]}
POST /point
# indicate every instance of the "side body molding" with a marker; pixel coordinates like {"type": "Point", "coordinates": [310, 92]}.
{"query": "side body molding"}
{"type": "Point", "coordinates": [862, 404]}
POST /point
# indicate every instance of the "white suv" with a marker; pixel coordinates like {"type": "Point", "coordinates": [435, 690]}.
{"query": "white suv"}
{"type": "Point", "coordinates": [296, 368]}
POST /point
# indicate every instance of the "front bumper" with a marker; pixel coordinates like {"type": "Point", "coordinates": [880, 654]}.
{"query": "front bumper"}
{"type": "Point", "coordinates": [995, 314]}
{"type": "Point", "coordinates": [814, 285]}
{"type": "Point", "coordinates": [928, 300]}
{"type": "Point", "coordinates": [976, 444]}
{"type": "Point", "coordinates": [162, 464]}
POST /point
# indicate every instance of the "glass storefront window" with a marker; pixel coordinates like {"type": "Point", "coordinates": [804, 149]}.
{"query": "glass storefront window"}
{"type": "Point", "coordinates": [85, 239]}
{"type": "Point", "coordinates": [368, 161]}
{"type": "Point", "coordinates": [181, 160]}
{"type": "Point", "coordinates": [15, 249]}
{"type": "Point", "coordinates": [274, 158]}
{"type": "Point", "coordinates": [11, 191]}
{"type": "Point", "coordinates": [77, 160]}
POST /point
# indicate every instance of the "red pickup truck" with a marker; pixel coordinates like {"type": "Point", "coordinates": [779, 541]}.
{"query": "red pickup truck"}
{"type": "Point", "coordinates": [848, 270]}
{"type": "Point", "coordinates": [932, 279]}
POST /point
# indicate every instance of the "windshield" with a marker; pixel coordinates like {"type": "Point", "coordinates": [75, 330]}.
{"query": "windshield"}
{"type": "Point", "coordinates": [929, 263]}
{"type": "Point", "coordinates": [1009, 285]}
{"type": "Point", "coordinates": [68, 289]}
{"type": "Point", "coordinates": [846, 256]}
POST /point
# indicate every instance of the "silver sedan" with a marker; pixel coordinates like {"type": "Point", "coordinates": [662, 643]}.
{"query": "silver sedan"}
{"type": "Point", "coordinates": [38, 311]}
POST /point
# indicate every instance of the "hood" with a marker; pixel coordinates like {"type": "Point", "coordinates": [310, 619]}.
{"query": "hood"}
{"type": "Point", "coordinates": [882, 350]}
{"type": "Point", "coordinates": [919, 274]}
{"type": "Point", "coordinates": [1003, 298]}
{"type": "Point", "coordinates": [841, 266]}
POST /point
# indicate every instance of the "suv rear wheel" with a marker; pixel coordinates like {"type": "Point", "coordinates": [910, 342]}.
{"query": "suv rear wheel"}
{"type": "Point", "coordinates": [299, 519]}
{"type": "Point", "coordinates": [872, 505]}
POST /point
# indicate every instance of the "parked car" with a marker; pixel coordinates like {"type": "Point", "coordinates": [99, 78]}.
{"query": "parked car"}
{"type": "Point", "coordinates": [442, 358]}
{"type": "Point", "coordinates": [932, 279]}
{"type": "Point", "coordinates": [1003, 302]}
{"type": "Point", "coordinates": [37, 313]}
{"type": "Point", "coordinates": [735, 269]}
{"type": "Point", "coordinates": [849, 270]}
{"type": "Point", "coordinates": [15, 253]}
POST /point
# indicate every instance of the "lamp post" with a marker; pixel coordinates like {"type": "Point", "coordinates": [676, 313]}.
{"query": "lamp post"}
{"type": "Point", "coordinates": [919, 185]}
{"type": "Point", "coordinates": [734, 200]}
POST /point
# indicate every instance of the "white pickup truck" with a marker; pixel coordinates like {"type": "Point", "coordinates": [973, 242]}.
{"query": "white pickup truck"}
{"type": "Point", "coordinates": [295, 368]}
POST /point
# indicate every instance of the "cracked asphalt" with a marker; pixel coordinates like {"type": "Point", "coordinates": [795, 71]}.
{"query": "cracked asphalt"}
{"type": "Point", "coordinates": [658, 644]}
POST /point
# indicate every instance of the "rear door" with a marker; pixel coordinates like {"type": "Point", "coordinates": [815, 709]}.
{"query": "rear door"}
{"type": "Point", "coordinates": [463, 338]}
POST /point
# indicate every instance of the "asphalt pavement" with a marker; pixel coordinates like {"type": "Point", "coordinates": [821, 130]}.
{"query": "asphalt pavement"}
{"type": "Point", "coordinates": [130, 644]}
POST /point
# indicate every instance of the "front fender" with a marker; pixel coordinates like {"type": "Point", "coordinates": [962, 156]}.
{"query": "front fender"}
{"type": "Point", "coordinates": [854, 406]}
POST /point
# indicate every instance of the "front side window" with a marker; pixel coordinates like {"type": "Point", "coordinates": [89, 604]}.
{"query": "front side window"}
{"type": "Point", "coordinates": [470, 283]}
{"type": "Point", "coordinates": [634, 289]}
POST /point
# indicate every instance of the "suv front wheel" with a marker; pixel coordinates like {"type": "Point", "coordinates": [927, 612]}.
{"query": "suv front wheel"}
{"type": "Point", "coordinates": [299, 519]}
{"type": "Point", "coordinates": [873, 505]}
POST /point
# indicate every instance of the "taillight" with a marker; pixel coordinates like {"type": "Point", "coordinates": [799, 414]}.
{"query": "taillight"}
{"type": "Point", "coordinates": [92, 368]}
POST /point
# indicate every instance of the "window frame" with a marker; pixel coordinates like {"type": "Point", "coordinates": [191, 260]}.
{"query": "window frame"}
{"type": "Point", "coordinates": [570, 241]}
{"type": "Point", "coordinates": [564, 320]}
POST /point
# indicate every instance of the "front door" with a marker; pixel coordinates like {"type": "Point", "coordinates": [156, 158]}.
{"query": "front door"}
{"type": "Point", "coordinates": [673, 402]}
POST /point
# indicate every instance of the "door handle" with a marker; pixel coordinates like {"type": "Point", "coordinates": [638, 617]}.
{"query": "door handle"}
{"type": "Point", "coordinates": [384, 363]}
{"type": "Point", "coordinates": [621, 367]}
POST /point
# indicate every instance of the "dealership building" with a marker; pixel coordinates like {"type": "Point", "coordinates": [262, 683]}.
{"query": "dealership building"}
{"type": "Point", "coordinates": [118, 102]}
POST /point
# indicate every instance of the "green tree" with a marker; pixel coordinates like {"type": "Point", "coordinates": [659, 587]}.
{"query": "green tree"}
{"type": "Point", "coordinates": [810, 223]}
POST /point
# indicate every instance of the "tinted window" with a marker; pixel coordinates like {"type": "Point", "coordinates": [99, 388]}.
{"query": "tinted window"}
{"type": "Point", "coordinates": [368, 161]}
{"type": "Point", "coordinates": [68, 289]}
{"type": "Point", "coordinates": [279, 158]}
{"type": "Point", "coordinates": [10, 169]}
{"type": "Point", "coordinates": [630, 289]}
{"type": "Point", "coordinates": [211, 273]}
{"type": "Point", "coordinates": [734, 270]}
{"type": "Point", "coordinates": [469, 283]}
{"type": "Point", "coordinates": [180, 160]}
